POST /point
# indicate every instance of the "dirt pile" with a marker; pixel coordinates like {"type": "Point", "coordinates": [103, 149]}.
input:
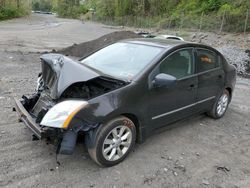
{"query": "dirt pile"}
{"type": "Point", "coordinates": [83, 49]}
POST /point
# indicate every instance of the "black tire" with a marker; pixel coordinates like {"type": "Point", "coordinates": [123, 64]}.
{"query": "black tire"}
{"type": "Point", "coordinates": [214, 111]}
{"type": "Point", "coordinates": [97, 152]}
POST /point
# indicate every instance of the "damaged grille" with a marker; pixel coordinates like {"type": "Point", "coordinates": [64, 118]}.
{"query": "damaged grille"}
{"type": "Point", "coordinates": [43, 104]}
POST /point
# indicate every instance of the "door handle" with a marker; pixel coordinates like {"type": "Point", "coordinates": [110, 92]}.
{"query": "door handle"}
{"type": "Point", "coordinates": [191, 87]}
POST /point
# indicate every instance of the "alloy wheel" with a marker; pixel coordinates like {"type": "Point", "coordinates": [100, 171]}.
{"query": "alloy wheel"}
{"type": "Point", "coordinates": [117, 143]}
{"type": "Point", "coordinates": [222, 104]}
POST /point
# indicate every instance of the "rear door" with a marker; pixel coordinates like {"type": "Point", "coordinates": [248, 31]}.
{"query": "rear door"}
{"type": "Point", "coordinates": [210, 77]}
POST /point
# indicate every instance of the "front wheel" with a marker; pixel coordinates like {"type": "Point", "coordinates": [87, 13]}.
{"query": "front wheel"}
{"type": "Point", "coordinates": [113, 142]}
{"type": "Point", "coordinates": [220, 106]}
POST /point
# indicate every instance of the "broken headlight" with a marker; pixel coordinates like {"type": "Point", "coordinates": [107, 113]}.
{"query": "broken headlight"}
{"type": "Point", "coordinates": [60, 115]}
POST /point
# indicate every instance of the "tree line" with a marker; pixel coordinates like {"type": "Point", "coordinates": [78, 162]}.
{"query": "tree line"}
{"type": "Point", "coordinates": [174, 13]}
{"type": "Point", "coordinates": [64, 8]}
{"type": "Point", "coordinates": [14, 8]}
{"type": "Point", "coordinates": [203, 14]}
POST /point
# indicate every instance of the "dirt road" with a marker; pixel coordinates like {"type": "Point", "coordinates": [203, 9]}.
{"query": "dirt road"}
{"type": "Point", "coordinates": [38, 33]}
{"type": "Point", "coordinates": [198, 152]}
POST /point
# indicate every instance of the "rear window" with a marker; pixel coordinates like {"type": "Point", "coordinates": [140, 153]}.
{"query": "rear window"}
{"type": "Point", "coordinates": [207, 60]}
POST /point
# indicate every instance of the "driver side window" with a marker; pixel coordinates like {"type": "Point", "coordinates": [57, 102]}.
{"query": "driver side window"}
{"type": "Point", "coordinates": [179, 64]}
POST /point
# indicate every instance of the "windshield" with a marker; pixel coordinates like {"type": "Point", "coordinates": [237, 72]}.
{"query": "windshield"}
{"type": "Point", "coordinates": [122, 60]}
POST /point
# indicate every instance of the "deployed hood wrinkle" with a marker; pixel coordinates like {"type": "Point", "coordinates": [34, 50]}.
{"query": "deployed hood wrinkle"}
{"type": "Point", "coordinates": [59, 72]}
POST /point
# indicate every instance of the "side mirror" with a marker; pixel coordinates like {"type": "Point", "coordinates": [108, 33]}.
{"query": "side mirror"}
{"type": "Point", "coordinates": [164, 80]}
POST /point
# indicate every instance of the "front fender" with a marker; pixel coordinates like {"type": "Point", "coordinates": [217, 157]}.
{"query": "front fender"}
{"type": "Point", "coordinates": [99, 110]}
{"type": "Point", "coordinates": [106, 107]}
{"type": "Point", "coordinates": [124, 101]}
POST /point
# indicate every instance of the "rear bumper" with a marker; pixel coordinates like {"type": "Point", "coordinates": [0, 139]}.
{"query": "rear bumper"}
{"type": "Point", "coordinates": [25, 117]}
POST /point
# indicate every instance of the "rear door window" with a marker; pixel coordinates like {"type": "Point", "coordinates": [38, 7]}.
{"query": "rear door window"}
{"type": "Point", "coordinates": [206, 60]}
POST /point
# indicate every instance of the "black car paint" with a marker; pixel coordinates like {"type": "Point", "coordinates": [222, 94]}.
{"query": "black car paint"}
{"type": "Point", "coordinates": [147, 106]}
{"type": "Point", "coordinates": [142, 102]}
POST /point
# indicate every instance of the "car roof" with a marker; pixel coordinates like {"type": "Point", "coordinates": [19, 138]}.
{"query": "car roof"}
{"type": "Point", "coordinates": [169, 36]}
{"type": "Point", "coordinates": [167, 43]}
{"type": "Point", "coordinates": [163, 43]}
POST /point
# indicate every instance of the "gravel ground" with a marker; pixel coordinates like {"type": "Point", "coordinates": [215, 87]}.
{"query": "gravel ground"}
{"type": "Point", "coordinates": [239, 58]}
{"type": "Point", "coordinates": [197, 152]}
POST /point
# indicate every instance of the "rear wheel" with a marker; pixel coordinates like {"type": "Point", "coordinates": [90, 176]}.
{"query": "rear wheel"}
{"type": "Point", "coordinates": [220, 106]}
{"type": "Point", "coordinates": [113, 142]}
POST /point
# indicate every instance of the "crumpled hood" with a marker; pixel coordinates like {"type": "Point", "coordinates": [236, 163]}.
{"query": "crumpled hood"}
{"type": "Point", "coordinates": [59, 72]}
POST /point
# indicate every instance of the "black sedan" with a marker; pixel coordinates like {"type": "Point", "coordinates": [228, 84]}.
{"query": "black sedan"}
{"type": "Point", "coordinates": [120, 94]}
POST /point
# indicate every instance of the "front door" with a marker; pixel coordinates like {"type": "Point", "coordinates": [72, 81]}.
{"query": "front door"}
{"type": "Point", "coordinates": [168, 104]}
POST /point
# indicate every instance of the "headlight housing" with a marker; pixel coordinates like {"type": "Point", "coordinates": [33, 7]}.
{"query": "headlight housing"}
{"type": "Point", "coordinates": [60, 115]}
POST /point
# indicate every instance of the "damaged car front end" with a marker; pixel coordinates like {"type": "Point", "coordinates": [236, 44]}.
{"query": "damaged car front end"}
{"type": "Point", "coordinates": [120, 94]}
{"type": "Point", "coordinates": [63, 89]}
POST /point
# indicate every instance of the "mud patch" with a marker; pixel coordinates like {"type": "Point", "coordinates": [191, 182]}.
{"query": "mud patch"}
{"type": "Point", "coordinates": [86, 48]}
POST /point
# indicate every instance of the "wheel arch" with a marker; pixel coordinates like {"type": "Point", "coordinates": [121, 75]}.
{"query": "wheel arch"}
{"type": "Point", "coordinates": [137, 123]}
{"type": "Point", "coordinates": [140, 133]}
{"type": "Point", "coordinates": [229, 89]}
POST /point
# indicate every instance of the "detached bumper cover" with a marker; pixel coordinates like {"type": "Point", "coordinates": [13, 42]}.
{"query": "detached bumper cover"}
{"type": "Point", "coordinates": [25, 117]}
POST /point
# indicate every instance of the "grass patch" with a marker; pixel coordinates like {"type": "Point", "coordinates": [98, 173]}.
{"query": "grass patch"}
{"type": "Point", "coordinates": [9, 12]}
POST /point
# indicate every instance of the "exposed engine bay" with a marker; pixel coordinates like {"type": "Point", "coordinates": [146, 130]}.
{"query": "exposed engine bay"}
{"type": "Point", "coordinates": [92, 88]}
{"type": "Point", "coordinates": [62, 78]}
{"type": "Point", "coordinates": [39, 103]}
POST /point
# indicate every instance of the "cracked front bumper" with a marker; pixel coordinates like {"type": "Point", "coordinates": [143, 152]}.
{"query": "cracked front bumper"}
{"type": "Point", "coordinates": [25, 117]}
